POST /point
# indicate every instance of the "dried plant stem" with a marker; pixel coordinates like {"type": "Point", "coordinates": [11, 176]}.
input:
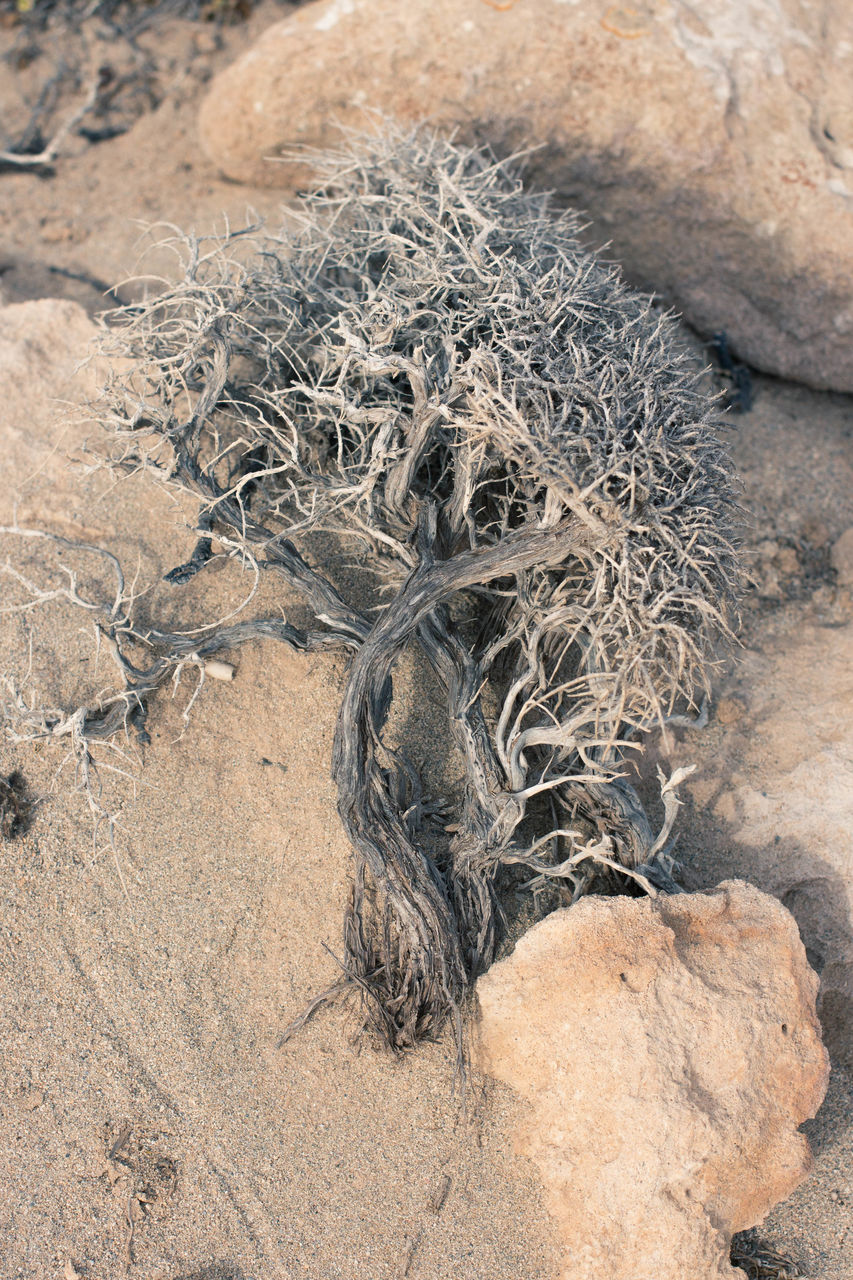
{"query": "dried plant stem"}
{"type": "Point", "coordinates": [49, 153]}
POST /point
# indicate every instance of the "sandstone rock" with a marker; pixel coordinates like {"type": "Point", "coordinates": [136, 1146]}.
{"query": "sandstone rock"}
{"type": "Point", "coordinates": [669, 1049]}
{"type": "Point", "coordinates": [48, 373]}
{"type": "Point", "coordinates": [43, 345]}
{"type": "Point", "coordinates": [788, 812]}
{"type": "Point", "coordinates": [713, 148]}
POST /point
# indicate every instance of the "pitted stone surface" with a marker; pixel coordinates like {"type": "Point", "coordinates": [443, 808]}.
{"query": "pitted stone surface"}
{"type": "Point", "coordinates": [669, 1049]}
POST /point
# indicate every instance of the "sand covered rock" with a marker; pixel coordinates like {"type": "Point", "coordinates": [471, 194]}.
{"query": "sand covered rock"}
{"type": "Point", "coordinates": [713, 148]}
{"type": "Point", "coordinates": [50, 446]}
{"type": "Point", "coordinates": [159, 1018]}
{"type": "Point", "coordinates": [669, 1049]}
{"type": "Point", "coordinates": [43, 347]}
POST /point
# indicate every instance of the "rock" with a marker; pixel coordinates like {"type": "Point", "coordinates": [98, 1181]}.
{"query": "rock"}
{"type": "Point", "coordinates": [49, 373]}
{"type": "Point", "coordinates": [669, 1049]}
{"type": "Point", "coordinates": [714, 150]}
{"type": "Point", "coordinates": [788, 813]}
{"type": "Point", "coordinates": [42, 348]}
{"type": "Point", "coordinates": [728, 710]}
{"type": "Point", "coordinates": [841, 557]}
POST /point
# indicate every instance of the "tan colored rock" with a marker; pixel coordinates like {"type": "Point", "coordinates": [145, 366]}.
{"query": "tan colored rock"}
{"type": "Point", "coordinates": [789, 810]}
{"type": "Point", "coordinates": [668, 1049]}
{"type": "Point", "coordinates": [48, 444]}
{"type": "Point", "coordinates": [43, 347]}
{"type": "Point", "coordinates": [712, 145]}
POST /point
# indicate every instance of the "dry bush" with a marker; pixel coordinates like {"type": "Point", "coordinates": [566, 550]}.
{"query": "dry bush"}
{"type": "Point", "coordinates": [430, 364]}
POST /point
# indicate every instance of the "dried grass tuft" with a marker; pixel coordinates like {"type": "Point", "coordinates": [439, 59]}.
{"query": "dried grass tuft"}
{"type": "Point", "coordinates": [429, 363]}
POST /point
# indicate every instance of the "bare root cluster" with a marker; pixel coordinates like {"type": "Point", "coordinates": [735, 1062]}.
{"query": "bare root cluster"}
{"type": "Point", "coordinates": [425, 360]}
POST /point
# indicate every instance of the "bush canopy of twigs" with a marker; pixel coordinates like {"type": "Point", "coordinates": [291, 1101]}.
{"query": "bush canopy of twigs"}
{"type": "Point", "coordinates": [427, 361]}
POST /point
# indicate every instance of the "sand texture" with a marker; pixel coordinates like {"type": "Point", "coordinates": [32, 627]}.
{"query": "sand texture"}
{"type": "Point", "coordinates": [149, 1125]}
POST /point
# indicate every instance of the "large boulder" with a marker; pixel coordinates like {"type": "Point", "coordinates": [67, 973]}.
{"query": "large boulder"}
{"type": "Point", "coordinates": [669, 1049]}
{"type": "Point", "coordinates": [712, 146]}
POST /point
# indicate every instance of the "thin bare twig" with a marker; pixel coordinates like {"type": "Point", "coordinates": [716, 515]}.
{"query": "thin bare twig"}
{"type": "Point", "coordinates": [48, 155]}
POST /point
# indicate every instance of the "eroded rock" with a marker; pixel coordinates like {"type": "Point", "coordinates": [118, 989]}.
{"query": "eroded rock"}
{"type": "Point", "coordinates": [669, 1049]}
{"type": "Point", "coordinates": [713, 149]}
{"type": "Point", "coordinates": [781, 782]}
{"type": "Point", "coordinates": [43, 348]}
{"type": "Point", "coordinates": [49, 372]}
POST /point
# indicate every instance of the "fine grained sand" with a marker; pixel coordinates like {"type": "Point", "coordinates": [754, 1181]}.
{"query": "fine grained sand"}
{"type": "Point", "coordinates": [142, 995]}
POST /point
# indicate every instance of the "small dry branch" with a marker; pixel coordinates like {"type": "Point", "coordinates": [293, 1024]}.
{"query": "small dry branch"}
{"type": "Point", "coordinates": [45, 158]}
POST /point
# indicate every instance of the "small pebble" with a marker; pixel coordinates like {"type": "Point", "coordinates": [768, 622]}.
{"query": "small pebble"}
{"type": "Point", "coordinates": [729, 711]}
{"type": "Point", "coordinates": [217, 670]}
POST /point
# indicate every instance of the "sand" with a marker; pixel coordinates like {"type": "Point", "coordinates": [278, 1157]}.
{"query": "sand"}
{"type": "Point", "coordinates": [149, 1125]}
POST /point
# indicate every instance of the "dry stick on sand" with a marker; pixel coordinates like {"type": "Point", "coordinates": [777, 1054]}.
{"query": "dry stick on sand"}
{"type": "Point", "coordinates": [432, 365]}
{"type": "Point", "coordinates": [50, 152]}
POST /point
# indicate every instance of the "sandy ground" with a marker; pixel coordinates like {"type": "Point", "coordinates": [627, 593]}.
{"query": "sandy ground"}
{"type": "Point", "coordinates": [149, 1126]}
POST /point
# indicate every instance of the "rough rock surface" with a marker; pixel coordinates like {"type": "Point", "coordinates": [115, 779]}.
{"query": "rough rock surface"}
{"type": "Point", "coordinates": [43, 346]}
{"type": "Point", "coordinates": [712, 145]}
{"type": "Point", "coordinates": [49, 372]}
{"type": "Point", "coordinates": [669, 1049]}
{"type": "Point", "coordinates": [786, 796]}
